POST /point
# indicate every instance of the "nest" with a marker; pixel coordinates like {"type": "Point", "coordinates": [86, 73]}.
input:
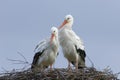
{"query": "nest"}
{"type": "Point", "coordinates": [59, 74]}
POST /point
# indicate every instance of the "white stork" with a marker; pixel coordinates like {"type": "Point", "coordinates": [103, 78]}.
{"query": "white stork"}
{"type": "Point", "coordinates": [46, 51]}
{"type": "Point", "coordinates": [72, 45]}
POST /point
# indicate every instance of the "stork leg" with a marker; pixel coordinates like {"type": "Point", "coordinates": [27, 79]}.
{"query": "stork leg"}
{"type": "Point", "coordinates": [69, 67]}
{"type": "Point", "coordinates": [76, 65]}
{"type": "Point", "coordinates": [50, 67]}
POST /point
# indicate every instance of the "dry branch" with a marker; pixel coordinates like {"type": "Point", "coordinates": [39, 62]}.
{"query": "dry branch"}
{"type": "Point", "coordinates": [59, 74]}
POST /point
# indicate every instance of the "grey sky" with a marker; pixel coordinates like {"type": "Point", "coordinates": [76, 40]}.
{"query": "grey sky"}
{"type": "Point", "coordinates": [23, 23]}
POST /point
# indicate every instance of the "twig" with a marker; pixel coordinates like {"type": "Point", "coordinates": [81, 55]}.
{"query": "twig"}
{"type": "Point", "coordinates": [23, 57]}
{"type": "Point", "coordinates": [17, 61]}
{"type": "Point", "coordinates": [5, 70]}
{"type": "Point", "coordinates": [61, 74]}
{"type": "Point", "coordinates": [21, 61]}
{"type": "Point", "coordinates": [90, 61]}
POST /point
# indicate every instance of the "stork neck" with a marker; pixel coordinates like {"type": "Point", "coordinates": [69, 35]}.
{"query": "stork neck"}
{"type": "Point", "coordinates": [69, 25]}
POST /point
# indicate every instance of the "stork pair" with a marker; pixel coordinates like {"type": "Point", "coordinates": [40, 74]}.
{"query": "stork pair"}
{"type": "Point", "coordinates": [72, 47]}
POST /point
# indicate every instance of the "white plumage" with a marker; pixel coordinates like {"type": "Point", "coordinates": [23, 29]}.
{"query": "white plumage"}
{"type": "Point", "coordinates": [46, 51]}
{"type": "Point", "coordinates": [72, 45]}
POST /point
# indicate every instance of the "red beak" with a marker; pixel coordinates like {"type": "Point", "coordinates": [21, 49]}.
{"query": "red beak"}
{"type": "Point", "coordinates": [51, 39]}
{"type": "Point", "coordinates": [65, 21]}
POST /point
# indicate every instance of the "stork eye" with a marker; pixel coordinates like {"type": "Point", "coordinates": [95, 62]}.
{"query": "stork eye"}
{"type": "Point", "coordinates": [68, 18]}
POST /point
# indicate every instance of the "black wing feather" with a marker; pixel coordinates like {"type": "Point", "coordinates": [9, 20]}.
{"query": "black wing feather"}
{"type": "Point", "coordinates": [57, 53]}
{"type": "Point", "coordinates": [35, 59]}
{"type": "Point", "coordinates": [81, 53]}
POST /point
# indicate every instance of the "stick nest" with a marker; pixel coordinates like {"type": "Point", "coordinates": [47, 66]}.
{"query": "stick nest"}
{"type": "Point", "coordinates": [60, 74]}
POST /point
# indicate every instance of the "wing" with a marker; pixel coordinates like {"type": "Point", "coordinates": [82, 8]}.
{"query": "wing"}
{"type": "Point", "coordinates": [78, 43]}
{"type": "Point", "coordinates": [36, 58]}
{"type": "Point", "coordinates": [81, 53]}
{"type": "Point", "coordinates": [42, 45]}
{"type": "Point", "coordinates": [75, 39]}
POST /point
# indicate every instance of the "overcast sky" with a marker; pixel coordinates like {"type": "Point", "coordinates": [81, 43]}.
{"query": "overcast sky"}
{"type": "Point", "coordinates": [23, 23]}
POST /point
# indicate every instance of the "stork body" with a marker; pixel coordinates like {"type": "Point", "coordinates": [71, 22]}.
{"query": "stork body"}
{"type": "Point", "coordinates": [46, 51]}
{"type": "Point", "coordinates": [72, 45]}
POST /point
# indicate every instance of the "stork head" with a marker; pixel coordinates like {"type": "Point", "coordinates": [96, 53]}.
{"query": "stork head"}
{"type": "Point", "coordinates": [54, 33]}
{"type": "Point", "coordinates": [68, 21]}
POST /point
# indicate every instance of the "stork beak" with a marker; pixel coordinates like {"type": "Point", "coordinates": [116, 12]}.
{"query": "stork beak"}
{"type": "Point", "coordinates": [52, 36]}
{"type": "Point", "coordinates": [65, 21]}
